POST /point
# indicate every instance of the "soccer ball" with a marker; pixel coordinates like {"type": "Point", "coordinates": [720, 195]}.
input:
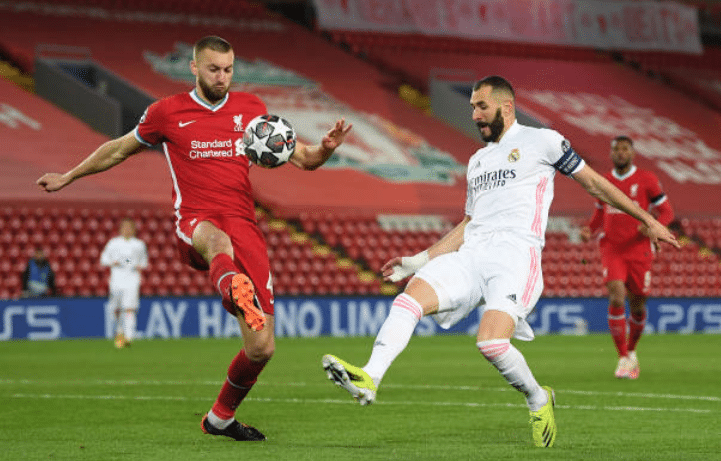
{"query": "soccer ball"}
{"type": "Point", "coordinates": [269, 141]}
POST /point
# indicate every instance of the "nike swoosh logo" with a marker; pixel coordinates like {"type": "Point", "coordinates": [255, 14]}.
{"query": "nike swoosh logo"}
{"type": "Point", "coordinates": [182, 124]}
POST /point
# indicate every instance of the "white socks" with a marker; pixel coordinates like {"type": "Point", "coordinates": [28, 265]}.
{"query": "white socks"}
{"type": "Point", "coordinates": [129, 324]}
{"type": "Point", "coordinates": [218, 423]}
{"type": "Point", "coordinates": [393, 337]}
{"type": "Point", "coordinates": [510, 363]}
{"type": "Point", "coordinates": [119, 322]}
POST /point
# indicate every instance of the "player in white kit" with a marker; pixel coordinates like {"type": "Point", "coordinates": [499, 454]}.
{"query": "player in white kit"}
{"type": "Point", "coordinates": [125, 255]}
{"type": "Point", "coordinates": [492, 259]}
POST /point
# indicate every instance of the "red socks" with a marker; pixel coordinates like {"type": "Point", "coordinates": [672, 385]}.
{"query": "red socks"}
{"type": "Point", "coordinates": [242, 374]}
{"type": "Point", "coordinates": [222, 270]}
{"type": "Point", "coordinates": [635, 326]}
{"type": "Point", "coordinates": [617, 326]}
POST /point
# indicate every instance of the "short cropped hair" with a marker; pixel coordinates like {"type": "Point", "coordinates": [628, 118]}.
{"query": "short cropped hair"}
{"type": "Point", "coordinates": [618, 139]}
{"type": "Point", "coordinates": [127, 219]}
{"type": "Point", "coordinates": [211, 42]}
{"type": "Point", "coordinates": [497, 83]}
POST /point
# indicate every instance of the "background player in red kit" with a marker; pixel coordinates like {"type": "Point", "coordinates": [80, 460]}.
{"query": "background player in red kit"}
{"type": "Point", "coordinates": [626, 252]}
{"type": "Point", "coordinates": [201, 133]}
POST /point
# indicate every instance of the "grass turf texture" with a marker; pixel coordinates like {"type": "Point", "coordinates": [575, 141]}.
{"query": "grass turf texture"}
{"type": "Point", "coordinates": [84, 400]}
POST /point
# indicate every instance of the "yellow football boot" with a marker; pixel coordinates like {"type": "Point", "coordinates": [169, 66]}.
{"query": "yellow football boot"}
{"type": "Point", "coordinates": [353, 379]}
{"type": "Point", "coordinates": [543, 422]}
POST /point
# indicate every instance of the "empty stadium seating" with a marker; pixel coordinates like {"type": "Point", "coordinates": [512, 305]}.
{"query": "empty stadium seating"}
{"type": "Point", "coordinates": [389, 51]}
{"type": "Point", "coordinates": [363, 238]}
{"type": "Point", "coordinates": [371, 42]}
{"type": "Point", "coordinates": [74, 238]}
{"type": "Point", "coordinates": [574, 269]}
{"type": "Point", "coordinates": [706, 232]}
{"type": "Point", "coordinates": [234, 8]}
{"type": "Point", "coordinates": [319, 254]}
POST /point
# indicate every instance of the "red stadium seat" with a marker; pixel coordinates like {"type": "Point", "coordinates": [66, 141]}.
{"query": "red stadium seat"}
{"type": "Point", "coordinates": [182, 284]}
{"type": "Point", "coordinates": [193, 290]}
{"type": "Point", "coordinates": [6, 238]}
{"type": "Point", "coordinates": [146, 290]}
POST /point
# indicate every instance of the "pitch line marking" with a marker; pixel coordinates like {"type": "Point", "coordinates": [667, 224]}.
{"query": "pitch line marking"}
{"type": "Point", "coordinates": [564, 391]}
{"type": "Point", "coordinates": [111, 382]}
{"type": "Point", "coordinates": [350, 402]}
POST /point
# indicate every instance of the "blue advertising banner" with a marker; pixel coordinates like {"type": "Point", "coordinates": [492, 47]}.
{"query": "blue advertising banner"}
{"type": "Point", "coordinates": [56, 318]}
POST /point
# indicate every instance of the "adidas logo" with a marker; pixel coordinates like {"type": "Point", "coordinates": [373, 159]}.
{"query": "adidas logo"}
{"type": "Point", "coordinates": [512, 297]}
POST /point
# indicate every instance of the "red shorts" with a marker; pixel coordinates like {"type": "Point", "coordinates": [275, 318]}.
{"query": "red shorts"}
{"type": "Point", "coordinates": [250, 252]}
{"type": "Point", "coordinates": [634, 273]}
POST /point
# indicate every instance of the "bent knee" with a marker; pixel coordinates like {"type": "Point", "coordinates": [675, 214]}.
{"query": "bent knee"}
{"type": "Point", "coordinates": [262, 353]}
{"type": "Point", "coordinates": [616, 292]}
{"type": "Point", "coordinates": [619, 301]}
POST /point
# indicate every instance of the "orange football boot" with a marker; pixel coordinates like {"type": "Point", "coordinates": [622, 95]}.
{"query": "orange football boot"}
{"type": "Point", "coordinates": [243, 294]}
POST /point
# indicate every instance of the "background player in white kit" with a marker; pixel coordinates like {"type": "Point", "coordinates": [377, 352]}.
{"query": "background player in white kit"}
{"type": "Point", "coordinates": [125, 255]}
{"type": "Point", "coordinates": [492, 258]}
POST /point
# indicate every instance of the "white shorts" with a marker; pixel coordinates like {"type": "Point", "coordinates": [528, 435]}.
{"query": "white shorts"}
{"type": "Point", "coordinates": [500, 273]}
{"type": "Point", "coordinates": [124, 297]}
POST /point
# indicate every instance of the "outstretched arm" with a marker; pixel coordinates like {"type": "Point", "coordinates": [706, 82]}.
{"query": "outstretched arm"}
{"type": "Point", "coordinates": [602, 189]}
{"type": "Point", "coordinates": [311, 157]}
{"type": "Point", "coordinates": [106, 156]}
{"type": "Point", "coordinates": [401, 267]}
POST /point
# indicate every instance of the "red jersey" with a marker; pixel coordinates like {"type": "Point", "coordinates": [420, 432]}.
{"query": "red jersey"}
{"type": "Point", "coordinates": [204, 148]}
{"type": "Point", "coordinates": [620, 231]}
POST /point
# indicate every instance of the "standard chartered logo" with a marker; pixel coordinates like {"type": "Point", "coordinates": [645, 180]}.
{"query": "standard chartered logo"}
{"type": "Point", "coordinates": [217, 148]}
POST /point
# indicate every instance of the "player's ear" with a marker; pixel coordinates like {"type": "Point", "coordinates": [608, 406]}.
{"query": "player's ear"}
{"type": "Point", "coordinates": [508, 108]}
{"type": "Point", "coordinates": [193, 67]}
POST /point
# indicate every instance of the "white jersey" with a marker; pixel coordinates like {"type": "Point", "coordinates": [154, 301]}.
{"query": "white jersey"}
{"type": "Point", "coordinates": [131, 255]}
{"type": "Point", "coordinates": [510, 183]}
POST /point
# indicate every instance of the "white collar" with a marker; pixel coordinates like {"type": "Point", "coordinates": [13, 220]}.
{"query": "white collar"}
{"type": "Point", "coordinates": [215, 107]}
{"type": "Point", "coordinates": [626, 175]}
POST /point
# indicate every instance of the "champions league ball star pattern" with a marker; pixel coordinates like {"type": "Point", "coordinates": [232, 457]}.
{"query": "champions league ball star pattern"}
{"type": "Point", "coordinates": [269, 141]}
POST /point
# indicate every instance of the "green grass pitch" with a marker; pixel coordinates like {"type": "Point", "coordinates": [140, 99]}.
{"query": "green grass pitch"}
{"type": "Point", "coordinates": [85, 400]}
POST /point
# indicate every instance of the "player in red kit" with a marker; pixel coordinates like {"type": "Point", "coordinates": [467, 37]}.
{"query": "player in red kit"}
{"type": "Point", "coordinates": [201, 134]}
{"type": "Point", "coordinates": [626, 252]}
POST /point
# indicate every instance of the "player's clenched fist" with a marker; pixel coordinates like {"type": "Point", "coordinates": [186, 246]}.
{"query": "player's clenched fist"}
{"type": "Point", "coordinates": [51, 182]}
